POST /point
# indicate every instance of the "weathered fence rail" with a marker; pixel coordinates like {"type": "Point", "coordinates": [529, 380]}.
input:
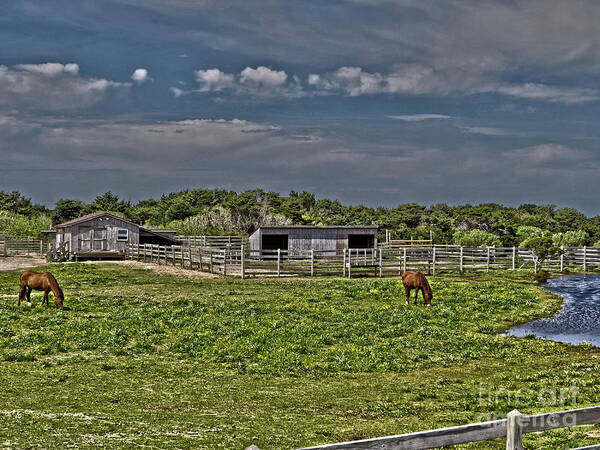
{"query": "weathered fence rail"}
{"type": "Point", "coordinates": [21, 246]}
{"type": "Point", "coordinates": [229, 242]}
{"type": "Point", "coordinates": [512, 428]}
{"type": "Point", "coordinates": [371, 261]}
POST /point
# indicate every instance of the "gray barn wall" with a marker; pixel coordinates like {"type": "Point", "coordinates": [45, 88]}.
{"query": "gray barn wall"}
{"type": "Point", "coordinates": [306, 239]}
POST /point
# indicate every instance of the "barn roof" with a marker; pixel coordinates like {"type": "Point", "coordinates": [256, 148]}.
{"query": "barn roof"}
{"type": "Point", "coordinates": [319, 227]}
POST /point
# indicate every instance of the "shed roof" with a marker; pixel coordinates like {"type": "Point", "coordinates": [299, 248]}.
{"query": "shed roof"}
{"type": "Point", "coordinates": [93, 216]}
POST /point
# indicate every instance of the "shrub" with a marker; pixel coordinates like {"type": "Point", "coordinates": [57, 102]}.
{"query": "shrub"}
{"type": "Point", "coordinates": [526, 232]}
{"type": "Point", "coordinates": [476, 238]}
{"type": "Point", "coordinates": [570, 238]}
{"type": "Point", "coordinates": [12, 224]}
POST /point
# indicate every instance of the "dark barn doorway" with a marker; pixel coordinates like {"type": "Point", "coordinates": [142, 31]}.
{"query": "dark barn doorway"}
{"type": "Point", "coordinates": [361, 241]}
{"type": "Point", "coordinates": [274, 241]}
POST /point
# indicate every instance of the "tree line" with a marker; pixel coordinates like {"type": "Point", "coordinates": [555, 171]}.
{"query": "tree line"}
{"type": "Point", "coordinates": [218, 212]}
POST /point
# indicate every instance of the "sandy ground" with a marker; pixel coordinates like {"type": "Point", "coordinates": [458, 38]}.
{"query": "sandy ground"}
{"type": "Point", "coordinates": [19, 262]}
{"type": "Point", "coordinates": [168, 270]}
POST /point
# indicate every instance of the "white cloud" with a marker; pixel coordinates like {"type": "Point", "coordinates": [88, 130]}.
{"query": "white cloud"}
{"type": "Point", "coordinates": [488, 131]}
{"type": "Point", "coordinates": [536, 91]}
{"type": "Point", "coordinates": [177, 92]}
{"type": "Point", "coordinates": [140, 76]}
{"type": "Point", "coordinates": [420, 117]}
{"type": "Point", "coordinates": [263, 77]}
{"type": "Point", "coordinates": [259, 82]}
{"type": "Point", "coordinates": [213, 80]}
{"type": "Point", "coordinates": [50, 86]}
{"type": "Point", "coordinates": [415, 79]}
{"type": "Point", "coordinates": [49, 69]}
{"type": "Point", "coordinates": [555, 156]}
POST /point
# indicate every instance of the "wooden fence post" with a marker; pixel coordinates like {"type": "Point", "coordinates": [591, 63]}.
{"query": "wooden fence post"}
{"type": "Point", "coordinates": [225, 261]}
{"type": "Point", "coordinates": [461, 264]}
{"type": "Point", "coordinates": [433, 260]}
{"type": "Point", "coordinates": [584, 258]}
{"type": "Point", "coordinates": [312, 263]}
{"type": "Point", "coordinates": [344, 265]}
{"type": "Point", "coordinates": [181, 254]}
{"type": "Point", "coordinates": [514, 258]}
{"type": "Point", "coordinates": [562, 257]}
{"type": "Point", "coordinates": [514, 431]}
{"type": "Point", "coordinates": [242, 262]}
{"type": "Point", "coordinates": [380, 263]}
{"type": "Point", "coordinates": [404, 261]}
{"type": "Point", "coordinates": [278, 262]}
{"type": "Point", "coordinates": [190, 255]}
{"type": "Point", "coordinates": [487, 264]}
{"type": "Point", "coordinates": [210, 261]}
{"type": "Point", "coordinates": [350, 263]}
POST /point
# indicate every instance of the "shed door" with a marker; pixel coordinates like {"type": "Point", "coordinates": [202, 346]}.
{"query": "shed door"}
{"type": "Point", "coordinates": [99, 235]}
{"type": "Point", "coordinates": [85, 239]}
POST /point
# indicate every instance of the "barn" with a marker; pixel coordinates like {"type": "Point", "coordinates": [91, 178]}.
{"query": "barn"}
{"type": "Point", "coordinates": [104, 235]}
{"type": "Point", "coordinates": [303, 238]}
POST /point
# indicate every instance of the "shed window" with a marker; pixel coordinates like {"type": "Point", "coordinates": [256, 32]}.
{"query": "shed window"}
{"type": "Point", "coordinates": [122, 235]}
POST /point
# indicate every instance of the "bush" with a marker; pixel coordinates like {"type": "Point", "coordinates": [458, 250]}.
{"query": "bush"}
{"type": "Point", "coordinates": [570, 238]}
{"type": "Point", "coordinates": [527, 232]}
{"type": "Point", "coordinates": [476, 238]}
{"type": "Point", "coordinates": [12, 224]}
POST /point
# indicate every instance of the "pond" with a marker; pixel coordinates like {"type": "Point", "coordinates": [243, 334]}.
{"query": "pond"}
{"type": "Point", "coordinates": [579, 319]}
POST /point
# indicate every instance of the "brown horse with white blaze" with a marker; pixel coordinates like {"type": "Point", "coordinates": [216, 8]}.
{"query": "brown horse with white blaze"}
{"type": "Point", "coordinates": [40, 282]}
{"type": "Point", "coordinates": [417, 281]}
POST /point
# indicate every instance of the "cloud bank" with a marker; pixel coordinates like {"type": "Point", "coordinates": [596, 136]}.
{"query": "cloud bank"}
{"type": "Point", "coordinates": [51, 86]}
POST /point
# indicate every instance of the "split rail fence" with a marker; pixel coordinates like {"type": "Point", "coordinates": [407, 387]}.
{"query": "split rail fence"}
{"type": "Point", "coordinates": [512, 429]}
{"type": "Point", "coordinates": [380, 262]}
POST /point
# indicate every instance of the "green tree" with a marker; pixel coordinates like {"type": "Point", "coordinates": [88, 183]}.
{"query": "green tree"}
{"type": "Point", "coordinates": [526, 232]}
{"type": "Point", "coordinates": [67, 209]}
{"type": "Point", "coordinates": [541, 249]}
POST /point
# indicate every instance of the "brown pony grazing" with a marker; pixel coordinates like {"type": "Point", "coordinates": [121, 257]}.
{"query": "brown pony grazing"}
{"type": "Point", "coordinates": [40, 282]}
{"type": "Point", "coordinates": [417, 281]}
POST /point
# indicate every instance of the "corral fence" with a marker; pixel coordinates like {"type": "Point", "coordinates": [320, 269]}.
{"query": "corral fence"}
{"type": "Point", "coordinates": [512, 429]}
{"type": "Point", "coordinates": [21, 246]}
{"type": "Point", "coordinates": [380, 262]}
{"type": "Point", "coordinates": [229, 242]}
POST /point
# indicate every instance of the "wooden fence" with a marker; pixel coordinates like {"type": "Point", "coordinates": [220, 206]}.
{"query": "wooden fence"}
{"type": "Point", "coordinates": [378, 262]}
{"type": "Point", "coordinates": [21, 246]}
{"type": "Point", "coordinates": [231, 242]}
{"type": "Point", "coordinates": [512, 428]}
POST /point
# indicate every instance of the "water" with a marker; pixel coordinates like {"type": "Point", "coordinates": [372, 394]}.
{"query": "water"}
{"type": "Point", "coordinates": [579, 319]}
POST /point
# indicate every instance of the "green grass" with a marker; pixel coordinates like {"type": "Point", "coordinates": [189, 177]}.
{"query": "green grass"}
{"type": "Point", "coordinates": [138, 358]}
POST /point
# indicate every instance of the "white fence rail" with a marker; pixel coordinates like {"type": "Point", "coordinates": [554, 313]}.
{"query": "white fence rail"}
{"type": "Point", "coordinates": [370, 261]}
{"type": "Point", "coordinates": [512, 428]}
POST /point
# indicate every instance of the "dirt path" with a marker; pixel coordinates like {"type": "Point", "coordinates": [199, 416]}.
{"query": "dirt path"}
{"type": "Point", "coordinates": [167, 270]}
{"type": "Point", "coordinates": [19, 262]}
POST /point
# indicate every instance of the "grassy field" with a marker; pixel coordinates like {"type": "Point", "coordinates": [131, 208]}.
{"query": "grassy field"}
{"type": "Point", "coordinates": [142, 359]}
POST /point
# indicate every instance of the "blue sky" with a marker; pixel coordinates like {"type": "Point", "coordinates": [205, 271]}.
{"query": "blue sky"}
{"type": "Point", "coordinates": [377, 102]}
